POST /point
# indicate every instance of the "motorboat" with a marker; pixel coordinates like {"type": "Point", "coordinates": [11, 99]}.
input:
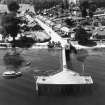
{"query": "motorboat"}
{"type": "Point", "coordinates": [11, 74]}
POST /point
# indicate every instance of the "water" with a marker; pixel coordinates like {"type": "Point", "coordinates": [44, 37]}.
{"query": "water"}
{"type": "Point", "coordinates": [21, 91]}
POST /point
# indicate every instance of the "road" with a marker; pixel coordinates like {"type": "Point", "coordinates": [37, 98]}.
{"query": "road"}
{"type": "Point", "coordinates": [54, 36]}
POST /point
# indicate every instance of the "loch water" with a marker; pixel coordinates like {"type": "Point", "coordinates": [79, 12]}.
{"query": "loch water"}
{"type": "Point", "coordinates": [21, 91]}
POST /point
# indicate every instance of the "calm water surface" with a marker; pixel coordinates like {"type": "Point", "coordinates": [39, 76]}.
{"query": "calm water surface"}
{"type": "Point", "coordinates": [21, 91]}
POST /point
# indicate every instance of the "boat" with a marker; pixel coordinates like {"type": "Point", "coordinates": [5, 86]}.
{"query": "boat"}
{"type": "Point", "coordinates": [11, 74]}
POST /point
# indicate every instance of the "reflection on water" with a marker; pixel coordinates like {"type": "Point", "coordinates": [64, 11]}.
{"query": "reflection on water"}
{"type": "Point", "coordinates": [40, 58]}
{"type": "Point", "coordinates": [84, 56]}
{"type": "Point", "coordinates": [21, 91]}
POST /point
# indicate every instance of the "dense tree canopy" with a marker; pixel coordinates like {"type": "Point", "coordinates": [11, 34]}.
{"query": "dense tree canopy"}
{"type": "Point", "coordinates": [87, 8]}
{"type": "Point", "coordinates": [81, 35]}
{"type": "Point", "coordinates": [10, 24]}
{"type": "Point", "coordinates": [44, 4]}
{"type": "Point", "coordinates": [13, 6]}
{"type": "Point", "coordinates": [70, 22]}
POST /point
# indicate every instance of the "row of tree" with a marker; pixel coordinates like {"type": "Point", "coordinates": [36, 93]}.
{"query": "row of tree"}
{"type": "Point", "coordinates": [19, 1]}
{"type": "Point", "coordinates": [45, 4]}
{"type": "Point", "coordinates": [88, 8]}
{"type": "Point", "coordinates": [38, 4]}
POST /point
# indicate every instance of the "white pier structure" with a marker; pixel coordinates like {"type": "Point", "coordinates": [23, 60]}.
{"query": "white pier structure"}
{"type": "Point", "coordinates": [53, 84]}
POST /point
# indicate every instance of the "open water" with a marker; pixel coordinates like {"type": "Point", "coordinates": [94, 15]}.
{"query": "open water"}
{"type": "Point", "coordinates": [21, 91]}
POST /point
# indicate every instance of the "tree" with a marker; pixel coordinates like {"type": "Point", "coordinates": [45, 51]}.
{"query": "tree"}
{"type": "Point", "coordinates": [92, 9]}
{"type": "Point", "coordinates": [88, 5]}
{"type": "Point", "coordinates": [13, 6]}
{"type": "Point", "coordinates": [70, 22]}
{"type": "Point", "coordinates": [10, 25]}
{"type": "Point", "coordinates": [10, 22]}
{"type": "Point", "coordinates": [84, 12]}
{"type": "Point", "coordinates": [81, 35]}
{"type": "Point", "coordinates": [83, 7]}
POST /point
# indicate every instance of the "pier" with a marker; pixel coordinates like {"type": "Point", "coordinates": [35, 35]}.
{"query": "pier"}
{"type": "Point", "coordinates": [64, 81]}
